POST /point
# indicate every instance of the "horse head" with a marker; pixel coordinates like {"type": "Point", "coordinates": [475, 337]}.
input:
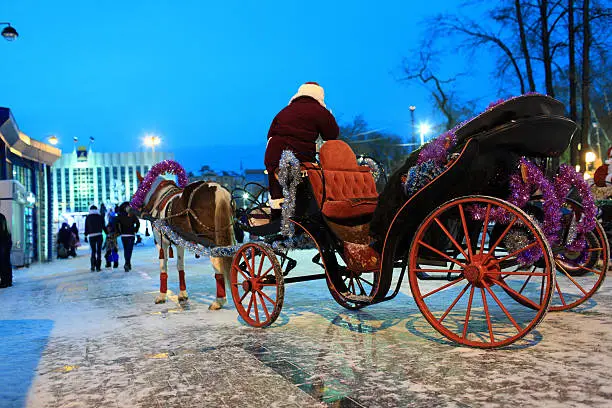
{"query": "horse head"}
{"type": "Point", "coordinates": [152, 182]}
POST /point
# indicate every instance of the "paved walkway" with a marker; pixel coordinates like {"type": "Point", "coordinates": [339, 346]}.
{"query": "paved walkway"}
{"type": "Point", "coordinates": [73, 338]}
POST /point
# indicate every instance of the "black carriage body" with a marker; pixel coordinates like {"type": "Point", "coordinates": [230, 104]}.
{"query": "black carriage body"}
{"type": "Point", "coordinates": [531, 126]}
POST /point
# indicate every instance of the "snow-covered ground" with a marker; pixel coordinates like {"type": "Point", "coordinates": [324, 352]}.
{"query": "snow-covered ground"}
{"type": "Point", "coordinates": [74, 338]}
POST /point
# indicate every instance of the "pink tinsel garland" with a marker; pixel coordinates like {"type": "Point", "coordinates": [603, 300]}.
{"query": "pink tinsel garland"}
{"type": "Point", "coordinates": [564, 181]}
{"type": "Point", "coordinates": [163, 167]}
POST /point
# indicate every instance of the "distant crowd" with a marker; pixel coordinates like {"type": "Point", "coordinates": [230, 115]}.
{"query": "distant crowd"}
{"type": "Point", "coordinates": [116, 222]}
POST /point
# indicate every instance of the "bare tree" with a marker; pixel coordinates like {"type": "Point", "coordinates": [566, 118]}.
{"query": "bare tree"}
{"type": "Point", "coordinates": [524, 48]}
{"type": "Point", "coordinates": [444, 96]}
{"type": "Point", "coordinates": [586, 81]}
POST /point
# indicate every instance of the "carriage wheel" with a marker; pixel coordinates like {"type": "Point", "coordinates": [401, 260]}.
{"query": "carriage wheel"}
{"type": "Point", "coordinates": [495, 250]}
{"type": "Point", "coordinates": [354, 285]}
{"type": "Point", "coordinates": [579, 276]}
{"type": "Point", "coordinates": [257, 285]}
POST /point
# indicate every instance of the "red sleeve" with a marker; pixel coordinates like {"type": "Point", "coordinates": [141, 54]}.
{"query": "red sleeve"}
{"type": "Point", "coordinates": [327, 126]}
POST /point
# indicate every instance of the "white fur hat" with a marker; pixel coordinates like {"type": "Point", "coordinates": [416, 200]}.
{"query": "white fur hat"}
{"type": "Point", "coordinates": [312, 89]}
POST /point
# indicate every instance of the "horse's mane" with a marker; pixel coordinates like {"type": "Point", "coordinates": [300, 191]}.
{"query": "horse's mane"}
{"type": "Point", "coordinates": [163, 167]}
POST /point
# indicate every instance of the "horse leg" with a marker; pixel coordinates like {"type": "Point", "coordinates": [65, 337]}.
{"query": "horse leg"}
{"type": "Point", "coordinates": [224, 235]}
{"type": "Point", "coordinates": [221, 300]}
{"type": "Point", "coordinates": [163, 275]}
{"type": "Point", "coordinates": [180, 265]}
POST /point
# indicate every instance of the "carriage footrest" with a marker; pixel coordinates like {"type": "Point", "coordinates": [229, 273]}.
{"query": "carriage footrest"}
{"type": "Point", "coordinates": [357, 298]}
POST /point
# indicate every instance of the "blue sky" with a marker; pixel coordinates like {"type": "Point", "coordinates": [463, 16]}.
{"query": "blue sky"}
{"type": "Point", "coordinates": [208, 77]}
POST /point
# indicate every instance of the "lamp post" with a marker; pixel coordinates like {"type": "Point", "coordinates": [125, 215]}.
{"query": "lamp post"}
{"type": "Point", "coordinates": [9, 33]}
{"type": "Point", "coordinates": [152, 141]}
{"type": "Point", "coordinates": [412, 109]}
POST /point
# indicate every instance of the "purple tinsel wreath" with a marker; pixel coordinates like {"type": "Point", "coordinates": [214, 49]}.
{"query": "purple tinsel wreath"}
{"type": "Point", "coordinates": [565, 179]}
{"type": "Point", "coordinates": [163, 167]}
{"type": "Point", "coordinates": [520, 193]}
{"type": "Point", "coordinates": [437, 149]}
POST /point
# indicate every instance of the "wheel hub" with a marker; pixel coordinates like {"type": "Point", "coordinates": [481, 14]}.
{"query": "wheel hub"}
{"type": "Point", "coordinates": [473, 273]}
{"type": "Point", "coordinates": [479, 269]}
{"type": "Point", "coordinates": [251, 285]}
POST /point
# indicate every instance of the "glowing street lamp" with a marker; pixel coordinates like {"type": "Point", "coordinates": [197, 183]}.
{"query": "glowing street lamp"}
{"type": "Point", "coordinates": [152, 141]}
{"type": "Point", "coordinates": [9, 33]}
{"type": "Point", "coordinates": [589, 157]}
{"type": "Point", "coordinates": [424, 128]}
{"type": "Point", "coordinates": [53, 140]}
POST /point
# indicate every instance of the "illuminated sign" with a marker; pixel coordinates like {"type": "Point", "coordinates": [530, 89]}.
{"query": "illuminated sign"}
{"type": "Point", "coordinates": [81, 153]}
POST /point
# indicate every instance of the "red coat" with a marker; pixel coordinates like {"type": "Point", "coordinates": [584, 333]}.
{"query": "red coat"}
{"type": "Point", "coordinates": [297, 128]}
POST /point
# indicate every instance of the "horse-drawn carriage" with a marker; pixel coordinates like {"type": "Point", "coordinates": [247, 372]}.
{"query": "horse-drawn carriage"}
{"type": "Point", "coordinates": [486, 241]}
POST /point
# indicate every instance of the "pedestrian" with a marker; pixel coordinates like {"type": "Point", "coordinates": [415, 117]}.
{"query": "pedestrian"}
{"type": "Point", "coordinates": [6, 269]}
{"type": "Point", "coordinates": [75, 230]}
{"type": "Point", "coordinates": [64, 241]}
{"type": "Point", "coordinates": [128, 225]}
{"type": "Point", "coordinates": [103, 211]}
{"type": "Point", "coordinates": [297, 128]}
{"type": "Point", "coordinates": [94, 226]}
{"type": "Point", "coordinates": [111, 254]}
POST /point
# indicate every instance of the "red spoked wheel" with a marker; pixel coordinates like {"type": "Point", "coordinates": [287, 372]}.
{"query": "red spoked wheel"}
{"type": "Point", "coordinates": [579, 275]}
{"type": "Point", "coordinates": [257, 285]}
{"type": "Point", "coordinates": [356, 289]}
{"type": "Point", "coordinates": [496, 270]}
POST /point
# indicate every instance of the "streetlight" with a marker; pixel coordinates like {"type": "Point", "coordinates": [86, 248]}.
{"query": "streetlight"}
{"type": "Point", "coordinates": [151, 141]}
{"type": "Point", "coordinates": [53, 140]}
{"type": "Point", "coordinates": [9, 33]}
{"type": "Point", "coordinates": [589, 157]}
{"type": "Point", "coordinates": [412, 109]}
{"type": "Point", "coordinates": [424, 128]}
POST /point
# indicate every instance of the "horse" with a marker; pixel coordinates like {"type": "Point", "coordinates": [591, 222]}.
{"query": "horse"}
{"type": "Point", "coordinates": [199, 212]}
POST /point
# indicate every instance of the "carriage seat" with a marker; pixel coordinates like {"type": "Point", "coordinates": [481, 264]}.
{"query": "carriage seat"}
{"type": "Point", "coordinates": [345, 189]}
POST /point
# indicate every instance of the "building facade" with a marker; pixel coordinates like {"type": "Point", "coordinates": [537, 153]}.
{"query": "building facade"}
{"type": "Point", "coordinates": [25, 191]}
{"type": "Point", "coordinates": [84, 177]}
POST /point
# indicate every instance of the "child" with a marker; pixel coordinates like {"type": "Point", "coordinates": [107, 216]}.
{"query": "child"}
{"type": "Point", "coordinates": [111, 255]}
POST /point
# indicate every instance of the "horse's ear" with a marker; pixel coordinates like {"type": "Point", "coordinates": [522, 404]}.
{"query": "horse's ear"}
{"type": "Point", "coordinates": [139, 177]}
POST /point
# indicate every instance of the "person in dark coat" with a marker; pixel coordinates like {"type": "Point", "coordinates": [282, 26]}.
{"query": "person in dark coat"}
{"type": "Point", "coordinates": [6, 269]}
{"type": "Point", "coordinates": [65, 242]}
{"type": "Point", "coordinates": [75, 230]}
{"type": "Point", "coordinates": [297, 128]}
{"type": "Point", "coordinates": [103, 211]}
{"type": "Point", "coordinates": [94, 226]}
{"type": "Point", "coordinates": [127, 225]}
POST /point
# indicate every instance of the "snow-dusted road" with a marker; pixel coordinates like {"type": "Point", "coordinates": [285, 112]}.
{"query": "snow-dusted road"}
{"type": "Point", "coordinates": [73, 338]}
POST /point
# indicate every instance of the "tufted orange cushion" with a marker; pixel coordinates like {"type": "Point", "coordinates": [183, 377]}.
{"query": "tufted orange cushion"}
{"type": "Point", "coordinates": [337, 155]}
{"type": "Point", "coordinates": [350, 190]}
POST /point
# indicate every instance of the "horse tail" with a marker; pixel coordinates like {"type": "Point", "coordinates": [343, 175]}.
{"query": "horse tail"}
{"type": "Point", "coordinates": [224, 227]}
{"type": "Point", "coordinates": [224, 218]}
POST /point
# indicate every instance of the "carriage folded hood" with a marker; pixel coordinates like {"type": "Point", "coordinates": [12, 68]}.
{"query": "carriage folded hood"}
{"type": "Point", "coordinates": [539, 136]}
{"type": "Point", "coordinates": [520, 107]}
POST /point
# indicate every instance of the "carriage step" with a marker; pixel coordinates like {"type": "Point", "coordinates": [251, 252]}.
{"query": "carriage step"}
{"type": "Point", "coordinates": [357, 298]}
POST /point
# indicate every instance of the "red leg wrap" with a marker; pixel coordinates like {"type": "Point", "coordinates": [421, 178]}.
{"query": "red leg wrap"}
{"type": "Point", "coordinates": [170, 252]}
{"type": "Point", "coordinates": [161, 253]}
{"type": "Point", "coordinates": [182, 284]}
{"type": "Point", "coordinates": [220, 285]}
{"type": "Point", "coordinates": [163, 282]}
